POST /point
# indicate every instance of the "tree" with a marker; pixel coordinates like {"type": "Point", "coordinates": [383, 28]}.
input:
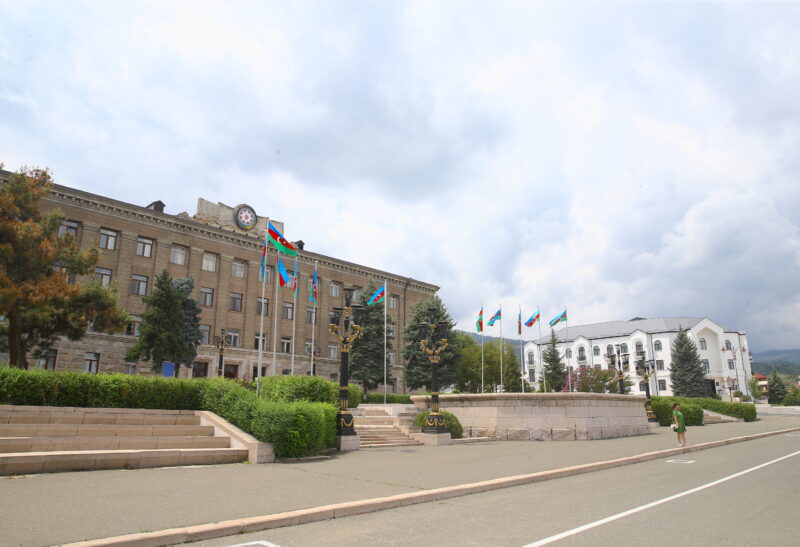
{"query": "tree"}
{"type": "Point", "coordinates": [367, 355]}
{"type": "Point", "coordinates": [468, 372]}
{"type": "Point", "coordinates": [555, 373]}
{"type": "Point", "coordinates": [777, 389]}
{"type": "Point", "coordinates": [37, 298]}
{"type": "Point", "coordinates": [418, 367]}
{"type": "Point", "coordinates": [755, 389]}
{"type": "Point", "coordinates": [170, 325]}
{"type": "Point", "coordinates": [688, 377]}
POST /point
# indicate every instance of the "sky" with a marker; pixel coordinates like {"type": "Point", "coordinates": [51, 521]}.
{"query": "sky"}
{"type": "Point", "coordinates": [624, 159]}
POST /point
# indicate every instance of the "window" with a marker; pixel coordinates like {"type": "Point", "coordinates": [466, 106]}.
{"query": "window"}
{"type": "Point", "coordinates": [48, 360]}
{"type": "Point", "coordinates": [333, 290]}
{"type": "Point", "coordinates": [144, 247]}
{"type": "Point", "coordinates": [108, 239]}
{"type": "Point", "coordinates": [659, 364]}
{"type": "Point", "coordinates": [255, 371]}
{"type": "Point", "coordinates": [310, 313]}
{"type": "Point", "coordinates": [308, 347]}
{"type": "Point", "coordinates": [177, 255]}
{"type": "Point", "coordinates": [392, 302]}
{"type": "Point", "coordinates": [581, 353]}
{"type": "Point", "coordinates": [657, 345]}
{"type": "Point", "coordinates": [662, 385]}
{"type": "Point", "coordinates": [235, 303]}
{"type": "Point", "coordinates": [103, 275]}
{"type": "Point", "coordinates": [91, 362]}
{"type": "Point", "coordinates": [704, 362]}
{"type": "Point", "coordinates": [334, 377]}
{"type": "Point", "coordinates": [205, 334]}
{"type": "Point", "coordinates": [199, 369]}
{"type": "Point", "coordinates": [238, 268]}
{"type": "Point", "coordinates": [598, 366]}
{"type": "Point", "coordinates": [68, 227]}
{"type": "Point", "coordinates": [624, 348]}
{"type": "Point", "coordinates": [568, 353]}
{"type": "Point", "coordinates": [262, 306]}
{"type": "Point", "coordinates": [703, 343]}
{"type": "Point", "coordinates": [310, 285]}
{"type": "Point", "coordinates": [267, 274]}
{"type": "Point", "coordinates": [288, 311]}
{"type": "Point", "coordinates": [131, 368]}
{"type": "Point", "coordinates": [356, 294]}
{"type": "Point", "coordinates": [728, 345]}
{"type": "Point", "coordinates": [209, 262]}
{"type": "Point", "coordinates": [134, 327]}
{"type": "Point", "coordinates": [730, 364]}
{"type": "Point", "coordinates": [206, 296]}
{"type": "Point", "coordinates": [639, 348]}
{"type": "Point", "coordinates": [596, 351]}
{"type": "Point", "coordinates": [642, 386]}
{"type": "Point", "coordinates": [232, 336]}
{"type": "Point", "coordinates": [258, 339]}
{"type": "Point", "coordinates": [609, 350]}
{"type": "Point", "coordinates": [391, 330]}
{"type": "Point", "coordinates": [286, 344]}
{"type": "Point", "coordinates": [390, 359]}
{"type": "Point", "coordinates": [333, 351]}
{"type": "Point", "coordinates": [531, 359]}
{"type": "Point", "coordinates": [531, 375]}
{"type": "Point", "coordinates": [138, 285]}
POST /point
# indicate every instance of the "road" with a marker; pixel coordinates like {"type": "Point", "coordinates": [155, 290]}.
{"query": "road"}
{"type": "Point", "coordinates": [757, 507]}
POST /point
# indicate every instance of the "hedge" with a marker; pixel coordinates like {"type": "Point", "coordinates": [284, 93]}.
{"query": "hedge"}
{"type": "Point", "coordinates": [298, 428]}
{"type": "Point", "coordinates": [450, 422]}
{"type": "Point", "coordinates": [662, 406]}
{"type": "Point", "coordinates": [746, 411]}
{"type": "Point", "coordinates": [376, 398]}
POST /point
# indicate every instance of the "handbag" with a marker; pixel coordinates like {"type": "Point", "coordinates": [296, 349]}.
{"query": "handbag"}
{"type": "Point", "coordinates": [674, 426]}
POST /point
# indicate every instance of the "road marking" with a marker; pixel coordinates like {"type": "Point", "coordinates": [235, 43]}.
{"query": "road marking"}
{"type": "Point", "coordinates": [680, 461]}
{"type": "Point", "coordinates": [793, 435]}
{"type": "Point", "coordinates": [261, 543]}
{"type": "Point", "coordinates": [612, 518]}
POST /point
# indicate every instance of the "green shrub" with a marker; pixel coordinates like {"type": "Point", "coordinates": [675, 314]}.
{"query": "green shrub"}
{"type": "Point", "coordinates": [296, 388]}
{"type": "Point", "coordinates": [353, 394]}
{"type": "Point", "coordinates": [745, 411]}
{"type": "Point", "coordinates": [376, 398]}
{"type": "Point", "coordinates": [792, 398]}
{"type": "Point", "coordinates": [662, 406]}
{"type": "Point", "coordinates": [450, 422]}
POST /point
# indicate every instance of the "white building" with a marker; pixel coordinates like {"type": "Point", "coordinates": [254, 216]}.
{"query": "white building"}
{"type": "Point", "coordinates": [723, 352]}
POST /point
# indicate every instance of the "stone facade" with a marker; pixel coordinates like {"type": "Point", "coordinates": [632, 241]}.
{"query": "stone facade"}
{"type": "Point", "coordinates": [224, 261]}
{"type": "Point", "coordinates": [545, 416]}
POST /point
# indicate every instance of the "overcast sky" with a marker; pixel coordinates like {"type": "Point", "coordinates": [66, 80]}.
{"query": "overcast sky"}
{"type": "Point", "coordinates": [623, 159]}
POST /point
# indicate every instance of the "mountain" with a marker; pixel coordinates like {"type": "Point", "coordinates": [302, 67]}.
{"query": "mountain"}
{"type": "Point", "coordinates": [486, 339]}
{"type": "Point", "coordinates": [783, 361]}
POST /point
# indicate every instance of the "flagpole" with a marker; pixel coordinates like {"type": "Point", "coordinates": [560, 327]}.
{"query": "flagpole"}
{"type": "Point", "coordinates": [482, 347]}
{"type": "Point", "coordinates": [385, 355]}
{"type": "Point", "coordinates": [539, 347]}
{"type": "Point", "coordinates": [261, 319]}
{"type": "Point", "coordinates": [569, 360]}
{"type": "Point", "coordinates": [295, 290]}
{"type": "Point", "coordinates": [501, 349]}
{"type": "Point", "coordinates": [313, 317]}
{"type": "Point", "coordinates": [521, 349]}
{"type": "Point", "coordinates": [275, 316]}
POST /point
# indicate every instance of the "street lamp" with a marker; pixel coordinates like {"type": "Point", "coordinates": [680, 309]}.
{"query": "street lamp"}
{"type": "Point", "coordinates": [645, 369]}
{"type": "Point", "coordinates": [221, 342]}
{"type": "Point", "coordinates": [434, 423]}
{"type": "Point", "coordinates": [349, 333]}
{"type": "Point", "coordinates": [735, 370]}
{"type": "Point", "coordinates": [621, 360]}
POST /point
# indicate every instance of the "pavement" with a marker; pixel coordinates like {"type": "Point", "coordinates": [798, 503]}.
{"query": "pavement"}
{"type": "Point", "coordinates": [59, 508]}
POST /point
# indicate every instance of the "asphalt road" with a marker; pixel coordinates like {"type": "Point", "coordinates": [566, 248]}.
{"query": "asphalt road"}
{"type": "Point", "coordinates": [759, 507]}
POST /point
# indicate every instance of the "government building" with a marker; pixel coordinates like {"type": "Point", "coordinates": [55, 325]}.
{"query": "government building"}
{"type": "Point", "coordinates": [220, 247]}
{"type": "Point", "coordinates": [723, 352]}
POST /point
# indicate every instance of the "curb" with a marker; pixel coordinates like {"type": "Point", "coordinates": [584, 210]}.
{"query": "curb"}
{"type": "Point", "coordinates": [303, 516]}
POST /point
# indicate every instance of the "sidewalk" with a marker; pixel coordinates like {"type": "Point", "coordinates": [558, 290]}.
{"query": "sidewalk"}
{"type": "Point", "coordinates": [66, 507]}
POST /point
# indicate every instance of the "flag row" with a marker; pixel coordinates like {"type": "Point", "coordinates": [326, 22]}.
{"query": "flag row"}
{"type": "Point", "coordinates": [534, 318]}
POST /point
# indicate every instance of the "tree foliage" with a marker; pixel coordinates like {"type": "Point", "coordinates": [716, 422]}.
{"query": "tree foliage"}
{"type": "Point", "coordinates": [37, 299]}
{"type": "Point", "coordinates": [777, 389]}
{"type": "Point", "coordinates": [755, 389]}
{"type": "Point", "coordinates": [418, 367]}
{"type": "Point", "coordinates": [468, 373]}
{"type": "Point", "coordinates": [555, 372]}
{"type": "Point", "coordinates": [687, 375]}
{"type": "Point", "coordinates": [595, 380]}
{"type": "Point", "coordinates": [170, 325]}
{"type": "Point", "coordinates": [367, 355]}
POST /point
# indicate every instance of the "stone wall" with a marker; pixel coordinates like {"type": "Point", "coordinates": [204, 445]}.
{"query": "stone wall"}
{"type": "Point", "coordinates": [545, 416]}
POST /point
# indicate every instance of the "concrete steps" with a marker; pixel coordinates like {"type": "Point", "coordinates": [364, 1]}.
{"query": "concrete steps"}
{"type": "Point", "coordinates": [377, 429]}
{"type": "Point", "coordinates": [710, 417]}
{"type": "Point", "coordinates": [49, 439]}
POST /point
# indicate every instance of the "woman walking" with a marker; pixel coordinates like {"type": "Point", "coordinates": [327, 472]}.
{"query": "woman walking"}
{"type": "Point", "coordinates": [679, 426]}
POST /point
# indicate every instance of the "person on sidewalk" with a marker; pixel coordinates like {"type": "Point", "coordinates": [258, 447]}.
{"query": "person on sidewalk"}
{"type": "Point", "coordinates": [679, 426]}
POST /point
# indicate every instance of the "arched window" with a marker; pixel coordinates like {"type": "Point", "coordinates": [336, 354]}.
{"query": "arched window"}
{"type": "Point", "coordinates": [609, 350]}
{"type": "Point", "coordinates": [657, 345]}
{"type": "Point", "coordinates": [581, 353]}
{"type": "Point", "coordinates": [568, 353]}
{"type": "Point", "coordinates": [728, 344]}
{"type": "Point", "coordinates": [639, 348]}
{"type": "Point", "coordinates": [530, 358]}
{"type": "Point", "coordinates": [624, 348]}
{"type": "Point", "coordinates": [703, 343]}
{"type": "Point", "coordinates": [597, 351]}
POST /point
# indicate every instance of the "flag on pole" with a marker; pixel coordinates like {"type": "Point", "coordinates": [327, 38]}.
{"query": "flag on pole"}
{"type": "Point", "coordinates": [296, 280]}
{"type": "Point", "coordinates": [519, 323]}
{"type": "Point", "coordinates": [378, 297]}
{"type": "Point", "coordinates": [280, 242]}
{"type": "Point", "coordinates": [533, 319]}
{"type": "Point", "coordinates": [264, 259]}
{"type": "Point", "coordinates": [479, 322]}
{"type": "Point", "coordinates": [494, 318]}
{"type": "Point", "coordinates": [559, 318]}
{"type": "Point", "coordinates": [283, 275]}
{"type": "Point", "coordinates": [314, 286]}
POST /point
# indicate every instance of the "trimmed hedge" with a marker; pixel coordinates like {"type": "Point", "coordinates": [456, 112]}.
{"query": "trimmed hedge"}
{"type": "Point", "coordinates": [746, 411]}
{"type": "Point", "coordinates": [450, 422]}
{"type": "Point", "coordinates": [662, 406]}
{"type": "Point", "coordinates": [391, 398]}
{"type": "Point", "coordinates": [296, 429]}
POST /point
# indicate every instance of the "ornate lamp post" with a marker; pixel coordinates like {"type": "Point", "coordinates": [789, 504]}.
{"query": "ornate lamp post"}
{"type": "Point", "coordinates": [621, 360]}
{"type": "Point", "coordinates": [735, 370]}
{"type": "Point", "coordinates": [434, 423]}
{"type": "Point", "coordinates": [349, 333]}
{"type": "Point", "coordinates": [221, 342]}
{"type": "Point", "coordinates": [645, 370]}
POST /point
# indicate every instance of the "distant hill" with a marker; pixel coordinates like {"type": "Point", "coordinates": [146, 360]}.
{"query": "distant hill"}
{"type": "Point", "coordinates": [778, 356]}
{"type": "Point", "coordinates": [486, 339]}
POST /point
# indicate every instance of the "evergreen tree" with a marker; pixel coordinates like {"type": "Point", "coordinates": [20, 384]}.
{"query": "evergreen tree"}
{"type": "Point", "coordinates": [418, 367]}
{"type": "Point", "coordinates": [687, 375]}
{"type": "Point", "coordinates": [170, 325]}
{"type": "Point", "coordinates": [777, 389]}
{"type": "Point", "coordinates": [366, 357]}
{"type": "Point", "coordinates": [555, 372]}
{"type": "Point", "coordinates": [38, 301]}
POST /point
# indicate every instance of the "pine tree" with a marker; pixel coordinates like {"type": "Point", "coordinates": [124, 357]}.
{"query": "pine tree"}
{"type": "Point", "coordinates": [687, 375]}
{"type": "Point", "coordinates": [555, 373]}
{"type": "Point", "coordinates": [418, 367]}
{"type": "Point", "coordinates": [367, 356]}
{"type": "Point", "coordinates": [777, 389]}
{"type": "Point", "coordinates": [38, 300]}
{"type": "Point", "coordinates": [170, 325]}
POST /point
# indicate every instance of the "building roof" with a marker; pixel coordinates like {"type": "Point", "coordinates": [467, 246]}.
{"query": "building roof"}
{"type": "Point", "coordinates": [611, 329]}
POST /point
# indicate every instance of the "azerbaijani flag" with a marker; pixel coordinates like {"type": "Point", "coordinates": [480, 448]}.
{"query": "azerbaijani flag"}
{"type": "Point", "coordinates": [295, 280]}
{"type": "Point", "coordinates": [479, 322]}
{"type": "Point", "coordinates": [519, 323]}
{"type": "Point", "coordinates": [559, 318]}
{"type": "Point", "coordinates": [534, 318]}
{"type": "Point", "coordinates": [379, 296]}
{"type": "Point", "coordinates": [494, 318]}
{"type": "Point", "coordinates": [280, 242]}
{"type": "Point", "coordinates": [314, 285]}
{"type": "Point", "coordinates": [264, 259]}
{"type": "Point", "coordinates": [283, 275]}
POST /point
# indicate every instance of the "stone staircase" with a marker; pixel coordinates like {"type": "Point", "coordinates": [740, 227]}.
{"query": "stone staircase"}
{"type": "Point", "coordinates": [48, 439]}
{"type": "Point", "coordinates": [377, 429]}
{"type": "Point", "coordinates": [710, 417]}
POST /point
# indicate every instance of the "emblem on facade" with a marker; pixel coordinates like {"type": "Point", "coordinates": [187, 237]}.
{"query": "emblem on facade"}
{"type": "Point", "coordinates": [245, 217]}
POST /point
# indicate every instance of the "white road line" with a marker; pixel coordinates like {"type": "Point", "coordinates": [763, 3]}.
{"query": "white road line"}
{"type": "Point", "coordinates": [259, 543]}
{"type": "Point", "coordinates": [606, 520]}
{"type": "Point", "coordinates": [680, 461]}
